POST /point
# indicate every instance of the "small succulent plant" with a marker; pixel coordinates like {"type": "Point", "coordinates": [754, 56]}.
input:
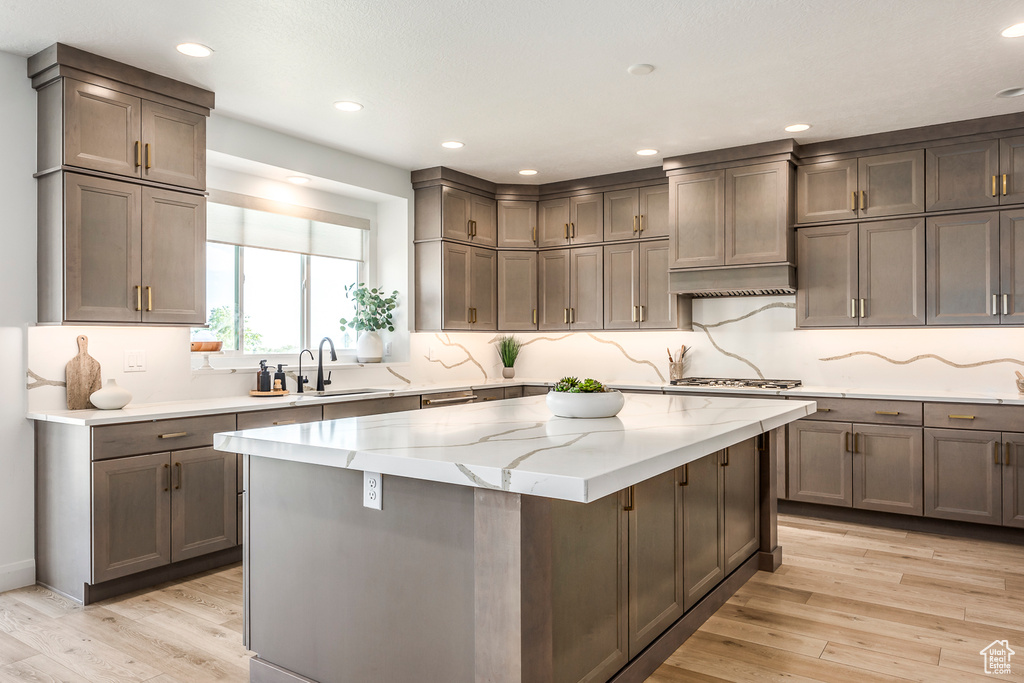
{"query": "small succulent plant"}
{"type": "Point", "coordinates": [572, 385]}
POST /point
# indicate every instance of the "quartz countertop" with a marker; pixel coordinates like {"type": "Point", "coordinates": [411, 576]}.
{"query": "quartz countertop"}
{"type": "Point", "coordinates": [518, 446]}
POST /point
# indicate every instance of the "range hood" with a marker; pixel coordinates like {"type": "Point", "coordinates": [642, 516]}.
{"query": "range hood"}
{"type": "Point", "coordinates": [754, 280]}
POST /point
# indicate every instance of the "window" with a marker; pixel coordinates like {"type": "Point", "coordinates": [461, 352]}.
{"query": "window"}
{"type": "Point", "coordinates": [276, 283]}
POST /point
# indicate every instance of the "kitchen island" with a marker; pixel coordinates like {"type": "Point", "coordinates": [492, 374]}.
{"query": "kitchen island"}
{"type": "Point", "coordinates": [512, 545]}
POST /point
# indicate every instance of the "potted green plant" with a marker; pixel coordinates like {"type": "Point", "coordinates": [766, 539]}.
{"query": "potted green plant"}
{"type": "Point", "coordinates": [508, 350]}
{"type": "Point", "coordinates": [373, 313]}
{"type": "Point", "coordinates": [571, 397]}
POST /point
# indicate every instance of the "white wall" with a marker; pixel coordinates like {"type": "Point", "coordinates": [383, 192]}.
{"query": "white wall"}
{"type": "Point", "coordinates": [17, 312]}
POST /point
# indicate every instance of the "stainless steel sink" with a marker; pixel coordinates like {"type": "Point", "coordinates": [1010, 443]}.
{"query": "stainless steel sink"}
{"type": "Point", "coordinates": [341, 392]}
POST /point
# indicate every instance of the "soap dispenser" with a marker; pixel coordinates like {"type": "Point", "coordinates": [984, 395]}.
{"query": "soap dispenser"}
{"type": "Point", "coordinates": [280, 380]}
{"type": "Point", "coordinates": [263, 382]}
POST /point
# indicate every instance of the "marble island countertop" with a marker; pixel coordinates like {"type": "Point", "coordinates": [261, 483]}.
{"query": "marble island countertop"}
{"type": "Point", "coordinates": [518, 446]}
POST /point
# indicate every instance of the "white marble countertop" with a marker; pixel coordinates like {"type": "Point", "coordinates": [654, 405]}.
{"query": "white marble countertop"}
{"type": "Point", "coordinates": [519, 446]}
{"type": "Point", "coordinates": [144, 412]}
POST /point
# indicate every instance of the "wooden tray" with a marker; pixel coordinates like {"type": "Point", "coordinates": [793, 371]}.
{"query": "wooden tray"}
{"type": "Point", "coordinates": [282, 392]}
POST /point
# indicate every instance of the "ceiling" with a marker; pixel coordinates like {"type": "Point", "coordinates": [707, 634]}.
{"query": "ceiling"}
{"type": "Point", "coordinates": [543, 84]}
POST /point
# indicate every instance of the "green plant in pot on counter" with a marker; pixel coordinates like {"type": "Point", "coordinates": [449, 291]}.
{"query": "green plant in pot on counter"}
{"type": "Point", "coordinates": [373, 312]}
{"type": "Point", "coordinates": [586, 398]}
{"type": "Point", "coordinates": [571, 385]}
{"type": "Point", "coordinates": [508, 350]}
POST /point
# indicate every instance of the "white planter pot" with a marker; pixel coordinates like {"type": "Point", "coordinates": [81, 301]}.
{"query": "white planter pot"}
{"type": "Point", "coordinates": [111, 397]}
{"type": "Point", "coordinates": [603, 404]}
{"type": "Point", "coordinates": [369, 347]}
{"type": "Point", "coordinates": [508, 373]}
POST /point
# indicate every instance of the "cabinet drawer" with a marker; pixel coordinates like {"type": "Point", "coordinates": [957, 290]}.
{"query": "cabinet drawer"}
{"type": "Point", "coordinates": [373, 406]}
{"type": "Point", "coordinates": [114, 441]}
{"type": "Point", "coordinates": [496, 394]}
{"type": "Point", "coordinates": [974, 416]}
{"type": "Point", "coordinates": [449, 398]}
{"type": "Point", "coordinates": [281, 416]}
{"type": "Point", "coordinates": [513, 392]}
{"type": "Point", "coordinates": [868, 411]}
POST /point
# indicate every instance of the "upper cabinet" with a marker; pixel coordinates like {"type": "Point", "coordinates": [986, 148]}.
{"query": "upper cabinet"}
{"type": "Point", "coordinates": [976, 174]}
{"type": "Point", "coordinates": [636, 212]}
{"type": "Point", "coordinates": [570, 289]}
{"type": "Point", "coordinates": [517, 224]}
{"type": "Point", "coordinates": [468, 217]}
{"type": "Point", "coordinates": [636, 287]}
{"type": "Point", "coordinates": [879, 185]}
{"type": "Point", "coordinates": [570, 220]}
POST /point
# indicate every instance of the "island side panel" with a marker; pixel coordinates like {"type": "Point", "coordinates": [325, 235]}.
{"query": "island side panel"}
{"type": "Point", "coordinates": [769, 551]}
{"type": "Point", "coordinates": [338, 592]}
{"type": "Point", "coordinates": [499, 605]}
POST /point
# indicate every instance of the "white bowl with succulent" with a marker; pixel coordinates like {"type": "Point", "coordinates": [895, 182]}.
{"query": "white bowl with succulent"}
{"type": "Point", "coordinates": [588, 398]}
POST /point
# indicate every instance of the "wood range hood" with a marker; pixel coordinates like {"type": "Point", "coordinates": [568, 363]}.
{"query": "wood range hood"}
{"type": "Point", "coordinates": [754, 280]}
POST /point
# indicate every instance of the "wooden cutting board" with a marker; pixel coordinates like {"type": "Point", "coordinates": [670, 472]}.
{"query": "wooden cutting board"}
{"type": "Point", "coordinates": [82, 375]}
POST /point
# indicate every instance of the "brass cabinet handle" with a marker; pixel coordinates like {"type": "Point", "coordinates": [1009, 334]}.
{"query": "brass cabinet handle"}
{"type": "Point", "coordinates": [995, 304]}
{"type": "Point", "coordinates": [961, 417]}
{"type": "Point", "coordinates": [454, 399]}
{"type": "Point", "coordinates": [725, 458]}
{"type": "Point", "coordinates": [535, 316]}
{"type": "Point", "coordinates": [572, 230]}
{"type": "Point", "coordinates": [995, 451]}
{"type": "Point", "coordinates": [635, 229]}
{"type": "Point", "coordinates": [855, 449]}
{"type": "Point", "coordinates": [853, 308]}
{"type": "Point", "coordinates": [847, 435]}
{"type": "Point", "coordinates": [474, 314]}
{"type": "Point", "coordinates": [824, 410]}
{"type": "Point", "coordinates": [686, 476]}
{"type": "Point", "coordinates": [535, 234]}
{"type": "Point", "coordinates": [178, 465]}
{"type": "Point", "coordinates": [149, 293]}
{"type": "Point", "coordinates": [993, 186]}
{"type": "Point", "coordinates": [284, 422]}
{"type": "Point", "coordinates": [853, 201]}
{"type": "Point", "coordinates": [138, 297]}
{"type": "Point", "coordinates": [641, 224]}
{"type": "Point", "coordinates": [572, 315]}
{"type": "Point", "coordinates": [149, 158]}
{"type": "Point", "coordinates": [887, 412]}
{"type": "Point", "coordinates": [1006, 304]}
{"type": "Point", "coordinates": [641, 313]}
{"type": "Point", "coordinates": [863, 200]}
{"type": "Point", "coordinates": [173, 435]}
{"type": "Point", "coordinates": [566, 231]}
{"type": "Point", "coordinates": [1004, 184]}
{"type": "Point", "coordinates": [1006, 457]}
{"type": "Point", "coordinates": [167, 478]}
{"type": "Point", "coordinates": [565, 316]}
{"type": "Point", "coordinates": [629, 499]}
{"type": "Point", "coordinates": [862, 308]}
{"type": "Point", "coordinates": [635, 313]}
{"type": "Point", "coordinates": [138, 154]}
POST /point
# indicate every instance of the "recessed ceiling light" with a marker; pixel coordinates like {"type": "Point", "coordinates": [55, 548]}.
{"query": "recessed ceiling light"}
{"type": "Point", "coordinates": [528, 171]}
{"type": "Point", "coordinates": [194, 50]}
{"type": "Point", "coordinates": [647, 152]}
{"type": "Point", "coordinates": [347, 106]}
{"type": "Point", "coordinates": [297, 179]}
{"type": "Point", "coordinates": [797, 127]}
{"type": "Point", "coordinates": [1010, 92]}
{"type": "Point", "coordinates": [640, 69]}
{"type": "Point", "coordinates": [452, 144]}
{"type": "Point", "coordinates": [1015, 31]}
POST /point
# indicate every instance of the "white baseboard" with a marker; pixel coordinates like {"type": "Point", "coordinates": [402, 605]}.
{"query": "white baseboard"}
{"type": "Point", "coordinates": [17, 575]}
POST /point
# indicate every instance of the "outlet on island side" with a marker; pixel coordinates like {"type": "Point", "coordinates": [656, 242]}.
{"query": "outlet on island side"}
{"type": "Point", "coordinates": [373, 490]}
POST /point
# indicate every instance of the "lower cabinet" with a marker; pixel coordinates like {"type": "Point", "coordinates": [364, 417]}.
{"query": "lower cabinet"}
{"type": "Point", "coordinates": [967, 472]}
{"type": "Point", "coordinates": [151, 510]}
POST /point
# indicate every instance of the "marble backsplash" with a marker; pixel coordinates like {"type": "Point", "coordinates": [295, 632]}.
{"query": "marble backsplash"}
{"type": "Point", "coordinates": [732, 337]}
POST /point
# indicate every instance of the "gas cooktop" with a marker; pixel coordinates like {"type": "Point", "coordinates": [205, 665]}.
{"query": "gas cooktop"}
{"type": "Point", "coordinates": [737, 383]}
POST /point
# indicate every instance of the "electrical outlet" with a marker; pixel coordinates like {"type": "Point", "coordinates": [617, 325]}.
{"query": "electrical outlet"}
{"type": "Point", "coordinates": [373, 490]}
{"type": "Point", "coordinates": [430, 353]}
{"type": "Point", "coordinates": [134, 361]}
{"type": "Point", "coordinates": [387, 349]}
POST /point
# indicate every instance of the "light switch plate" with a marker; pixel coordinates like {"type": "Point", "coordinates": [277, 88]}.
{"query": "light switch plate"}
{"type": "Point", "coordinates": [373, 490]}
{"type": "Point", "coordinates": [135, 361]}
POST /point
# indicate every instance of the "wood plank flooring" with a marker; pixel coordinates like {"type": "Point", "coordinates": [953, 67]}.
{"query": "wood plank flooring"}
{"type": "Point", "coordinates": [850, 603]}
{"type": "Point", "coordinates": [860, 603]}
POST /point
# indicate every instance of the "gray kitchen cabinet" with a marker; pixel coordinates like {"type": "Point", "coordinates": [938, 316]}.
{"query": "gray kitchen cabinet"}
{"type": "Point", "coordinates": [586, 288]}
{"type": "Point", "coordinates": [553, 222]}
{"type": "Point", "coordinates": [101, 129]}
{"type": "Point", "coordinates": [1013, 479]}
{"type": "Point", "coordinates": [468, 279]}
{"type": "Point", "coordinates": [962, 176]}
{"type": "Point", "coordinates": [535, 390]}
{"type": "Point", "coordinates": [636, 287]}
{"type": "Point", "coordinates": [757, 210]}
{"type": "Point", "coordinates": [655, 557]}
{"type": "Point", "coordinates": [963, 269]}
{"type": "Point", "coordinates": [131, 254]}
{"type": "Point", "coordinates": [483, 295]}
{"type": "Point", "coordinates": [697, 219]}
{"type": "Point", "coordinates": [621, 215]}
{"type": "Point", "coordinates": [820, 462]}
{"type": "Point", "coordinates": [517, 224]}
{"type": "Point", "coordinates": [1011, 169]}
{"type": "Point", "coordinates": [826, 258]}
{"type": "Point", "coordinates": [173, 146]}
{"type": "Point", "coordinates": [1011, 266]}
{"type": "Point", "coordinates": [891, 282]}
{"type": "Point", "coordinates": [962, 475]}
{"type": "Point", "coordinates": [740, 503]}
{"type": "Point", "coordinates": [468, 217]}
{"type": "Point", "coordinates": [878, 185]}
{"type": "Point", "coordinates": [586, 218]}
{"type": "Point", "coordinates": [654, 212]}
{"type": "Point", "coordinates": [517, 290]}
{"type": "Point", "coordinates": [702, 509]}
{"type": "Point", "coordinates": [887, 466]}
{"type": "Point", "coordinates": [203, 502]}
{"type": "Point", "coordinates": [659, 309]}
{"type": "Point", "coordinates": [553, 289]}
{"type": "Point", "coordinates": [370, 406]}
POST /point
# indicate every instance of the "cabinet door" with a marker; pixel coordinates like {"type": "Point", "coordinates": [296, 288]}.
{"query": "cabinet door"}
{"type": "Point", "coordinates": [1013, 480]}
{"type": "Point", "coordinates": [517, 290]}
{"type": "Point", "coordinates": [891, 184]}
{"type": "Point", "coordinates": [517, 223]}
{"type": "Point", "coordinates": [621, 215]}
{"type": "Point", "coordinates": [131, 508]}
{"type": "Point", "coordinates": [203, 502]}
{"type": "Point", "coordinates": [621, 285]}
{"type": "Point", "coordinates": [892, 272]}
{"type": "Point", "coordinates": [455, 269]}
{"type": "Point", "coordinates": [586, 218]}
{"type": "Point", "coordinates": [703, 551]}
{"type": "Point", "coordinates": [962, 477]}
{"type": "Point", "coordinates": [655, 558]}
{"type": "Point", "coordinates": [484, 214]}
{"type": "Point", "coordinates": [102, 250]}
{"type": "Point", "coordinates": [740, 503]}
{"type": "Point", "coordinates": [1011, 169]}
{"type": "Point", "coordinates": [1011, 266]}
{"type": "Point", "coordinates": [963, 269]}
{"type": "Point", "coordinates": [456, 209]}
{"type": "Point", "coordinates": [697, 218]}
{"type": "Point", "coordinates": [589, 589]}
{"type": "Point", "coordinates": [101, 129]}
{"type": "Point", "coordinates": [553, 289]}
{"type": "Point", "coordinates": [174, 146]}
{"type": "Point", "coordinates": [826, 191]}
{"type": "Point", "coordinates": [173, 257]}
{"type": "Point", "coordinates": [826, 266]}
{"type": "Point", "coordinates": [820, 464]}
{"type": "Point", "coordinates": [962, 176]}
{"type": "Point", "coordinates": [654, 211]}
{"type": "Point", "coordinates": [586, 289]}
{"type": "Point", "coordinates": [757, 214]}
{"type": "Point", "coordinates": [887, 469]}
{"type": "Point", "coordinates": [483, 295]}
{"type": "Point", "coordinates": [553, 222]}
{"type": "Point", "coordinates": [658, 306]}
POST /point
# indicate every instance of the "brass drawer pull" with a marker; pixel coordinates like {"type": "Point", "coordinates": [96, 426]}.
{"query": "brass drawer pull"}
{"type": "Point", "coordinates": [824, 410]}
{"type": "Point", "coordinates": [887, 412]}
{"type": "Point", "coordinates": [173, 435]}
{"type": "Point", "coordinates": [961, 417]}
{"type": "Point", "coordinates": [284, 422]}
{"type": "Point", "coordinates": [454, 399]}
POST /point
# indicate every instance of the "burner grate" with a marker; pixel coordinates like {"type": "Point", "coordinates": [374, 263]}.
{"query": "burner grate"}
{"type": "Point", "coordinates": [737, 383]}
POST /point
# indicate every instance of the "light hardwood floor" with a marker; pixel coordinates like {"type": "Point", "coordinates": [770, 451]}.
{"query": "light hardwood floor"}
{"type": "Point", "coordinates": [851, 603]}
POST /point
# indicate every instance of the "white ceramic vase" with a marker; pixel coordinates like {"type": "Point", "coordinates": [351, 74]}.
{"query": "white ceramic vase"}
{"type": "Point", "coordinates": [369, 347]}
{"type": "Point", "coordinates": [111, 396]}
{"type": "Point", "coordinates": [600, 404]}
